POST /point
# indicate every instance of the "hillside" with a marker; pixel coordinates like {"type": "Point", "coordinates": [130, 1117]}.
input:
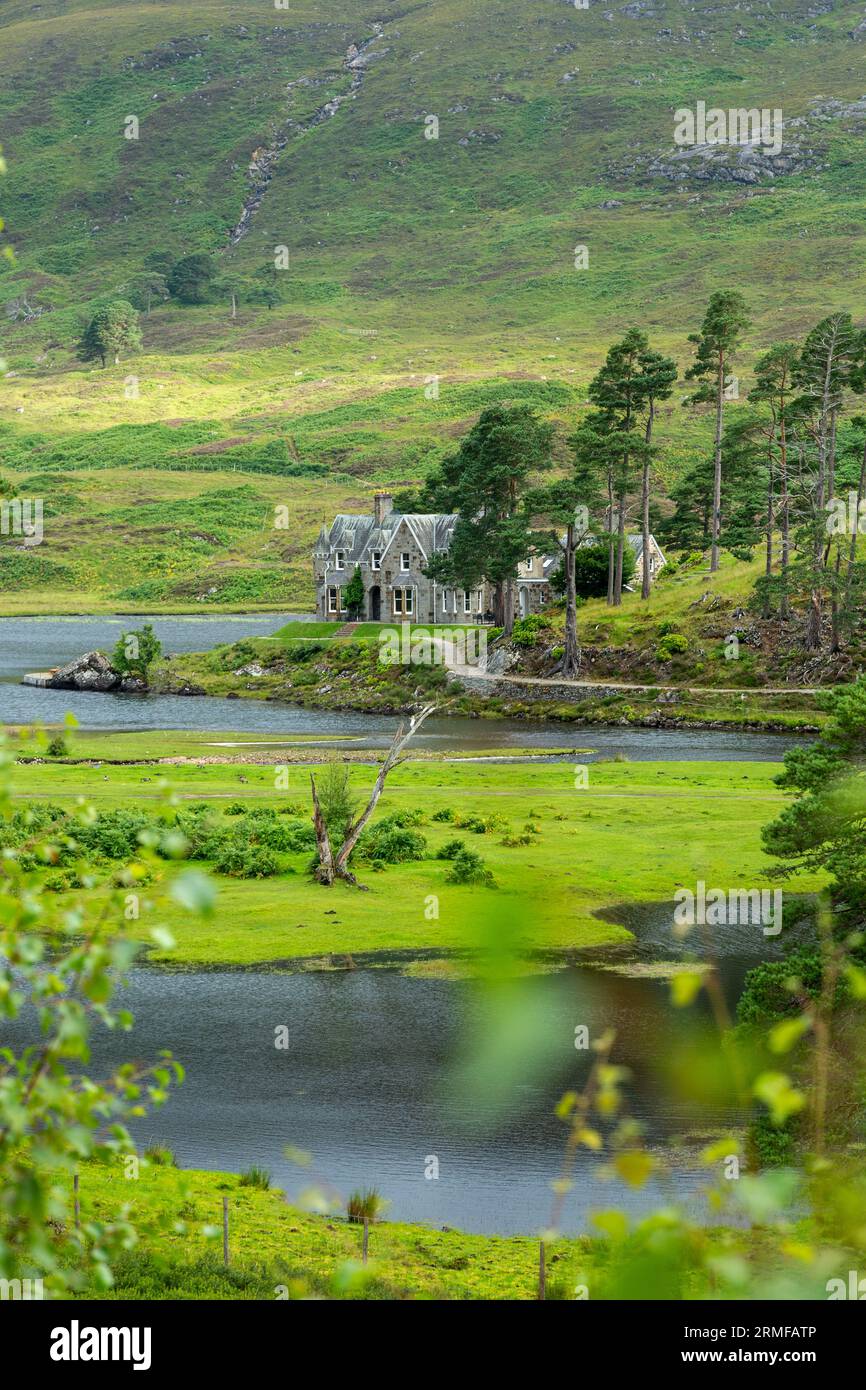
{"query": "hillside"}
{"type": "Point", "coordinates": [425, 276]}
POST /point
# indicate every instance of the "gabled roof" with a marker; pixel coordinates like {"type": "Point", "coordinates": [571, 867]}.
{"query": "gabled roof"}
{"type": "Point", "coordinates": [358, 535]}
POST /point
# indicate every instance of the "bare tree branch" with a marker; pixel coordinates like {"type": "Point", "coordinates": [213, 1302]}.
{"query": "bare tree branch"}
{"type": "Point", "coordinates": [331, 866]}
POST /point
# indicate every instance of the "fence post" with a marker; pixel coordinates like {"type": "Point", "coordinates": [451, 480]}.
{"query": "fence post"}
{"type": "Point", "coordinates": [225, 1231]}
{"type": "Point", "coordinates": [77, 1202]}
{"type": "Point", "coordinates": [365, 1240]}
{"type": "Point", "coordinates": [542, 1273]}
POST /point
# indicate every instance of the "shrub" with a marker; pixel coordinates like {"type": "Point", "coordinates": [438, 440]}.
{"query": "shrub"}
{"type": "Point", "coordinates": [336, 799]}
{"type": "Point", "coordinates": [136, 652]}
{"type": "Point", "coordinates": [57, 747]}
{"type": "Point", "coordinates": [256, 1177]}
{"type": "Point", "coordinates": [298, 652]}
{"type": "Point", "coordinates": [526, 630]}
{"type": "Point", "coordinates": [451, 849]}
{"type": "Point", "coordinates": [287, 837]}
{"type": "Point", "coordinates": [160, 1155]}
{"type": "Point", "coordinates": [390, 844]}
{"type": "Point", "coordinates": [114, 834]}
{"type": "Point", "coordinates": [772, 1145]}
{"type": "Point", "coordinates": [366, 1202]}
{"type": "Point", "coordinates": [480, 825]}
{"type": "Point", "coordinates": [239, 860]}
{"type": "Point", "coordinates": [672, 645]}
{"type": "Point", "coordinates": [445, 814]}
{"type": "Point", "coordinates": [404, 818]}
{"type": "Point", "coordinates": [591, 564]}
{"type": "Point", "coordinates": [469, 867]}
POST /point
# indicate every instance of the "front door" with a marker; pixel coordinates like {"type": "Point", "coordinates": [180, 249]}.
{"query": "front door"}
{"type": "Point", "coordinates": [375, 604]}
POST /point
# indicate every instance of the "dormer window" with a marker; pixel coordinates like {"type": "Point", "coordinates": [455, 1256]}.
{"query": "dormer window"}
{"type": "Point", "coordinates": [528, 566]}
{"type": "Point", "coordinates": [375, 560]}
{"type": "Point", "coordinates": [340, 560]}
{"type": "Point", "coordinates": [405, 561]}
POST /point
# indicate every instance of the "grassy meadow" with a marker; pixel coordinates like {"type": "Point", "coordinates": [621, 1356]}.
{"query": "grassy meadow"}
{"type": "Point", "coordinates": [635, 833]}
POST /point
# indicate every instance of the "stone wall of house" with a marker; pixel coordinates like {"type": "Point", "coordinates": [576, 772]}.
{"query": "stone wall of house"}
{"type": "Point", "coordinates": [390, 577]}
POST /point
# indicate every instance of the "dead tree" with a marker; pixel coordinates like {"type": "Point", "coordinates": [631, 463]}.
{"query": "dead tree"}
{"type": "Point", "coordinates": [332, 865]}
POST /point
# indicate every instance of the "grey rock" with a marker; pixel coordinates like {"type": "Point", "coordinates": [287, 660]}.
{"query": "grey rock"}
{"type": "Point", "coordinates": [92, 671]}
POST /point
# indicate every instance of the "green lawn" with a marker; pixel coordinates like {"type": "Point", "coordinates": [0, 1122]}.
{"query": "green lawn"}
{"type": "Point", "coordinates": [364, 632]}
{"type": "Point", "coordinates": [634, 834]}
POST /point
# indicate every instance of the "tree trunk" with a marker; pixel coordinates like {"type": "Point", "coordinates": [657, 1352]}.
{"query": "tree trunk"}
{"type": "Point", "coordinates": [325, 871]}
{"type": "Point", "coordinates": [646, 580]}
{"type": "Point", "coordinates": [571, 662]}
{"type": "Point", "coordinates": [784, 606]}
{"type": "Point", "coordinates": [620, 551]}
{"type": "Point", "coordinates": [610, 543]}
{"type": "Point", "coordinates": [852, 551]}
{"type": "Point", "coordinates": [717, 466]}
{"type": "Point", "coordinates": [814, 625]}
{"type": "Point", "coordinates": [831, 492]}
{"type": "Point", "coordinates": [507, 607]}
{"type": "Point", "coordinates": [836, 639]}
{"type": "Point", "coordinates": [768, 568]}
{"type": "Point", "coordinates": [331, 866]}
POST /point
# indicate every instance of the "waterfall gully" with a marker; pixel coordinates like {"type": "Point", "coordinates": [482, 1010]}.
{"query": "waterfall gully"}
{"type": "Point", "coordinates": [263, 160]}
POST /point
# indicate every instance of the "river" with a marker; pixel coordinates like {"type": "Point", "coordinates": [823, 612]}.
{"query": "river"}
{"type": "Point", "coordinates": [34, 644]}
{"type": "Point", "coordinates": [366, 1085]}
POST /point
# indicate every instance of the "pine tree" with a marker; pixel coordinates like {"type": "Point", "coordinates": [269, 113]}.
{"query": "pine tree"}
{"type": "Point", "coordinates": [724, 323]}
{"type": "Point", "coordinates": [485, 483]}
{"type": "Point", "coordinates": [830, 364]}
{"type": "Point", "coordinates": [774, 385]}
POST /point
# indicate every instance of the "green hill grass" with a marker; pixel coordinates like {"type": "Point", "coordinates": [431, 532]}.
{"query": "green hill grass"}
{"type": "Point", "coordinates": [416, 266]}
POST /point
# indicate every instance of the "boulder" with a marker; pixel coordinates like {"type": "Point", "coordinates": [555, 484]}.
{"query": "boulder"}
{"type": "Point", "coordinates": [93, 671]}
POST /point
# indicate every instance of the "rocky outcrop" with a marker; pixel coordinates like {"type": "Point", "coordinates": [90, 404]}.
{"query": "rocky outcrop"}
{"type": "Point", "coordinates": [93, 671]}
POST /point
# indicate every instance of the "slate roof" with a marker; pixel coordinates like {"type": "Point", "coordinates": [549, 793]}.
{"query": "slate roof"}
{"type": "Point", "coordinates": [358, 535]}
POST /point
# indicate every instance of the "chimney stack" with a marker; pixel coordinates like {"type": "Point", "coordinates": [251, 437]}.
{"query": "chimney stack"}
{"type": "Point", "coordinates": [383, 505]}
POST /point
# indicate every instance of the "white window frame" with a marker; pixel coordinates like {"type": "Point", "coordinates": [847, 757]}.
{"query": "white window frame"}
{"type": "Point", "coordinates": [405, 561]}
{"type": "Point", "coordinates": [467, 601]}
{"type": "Point", "coordinates": [403, 602]}
{"type": "Point", "coordinates": [334, 595]}
{"type": "Point", "coordinates": [375, 560]}
{"type": "Point", "coordinates": [339, 559]}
